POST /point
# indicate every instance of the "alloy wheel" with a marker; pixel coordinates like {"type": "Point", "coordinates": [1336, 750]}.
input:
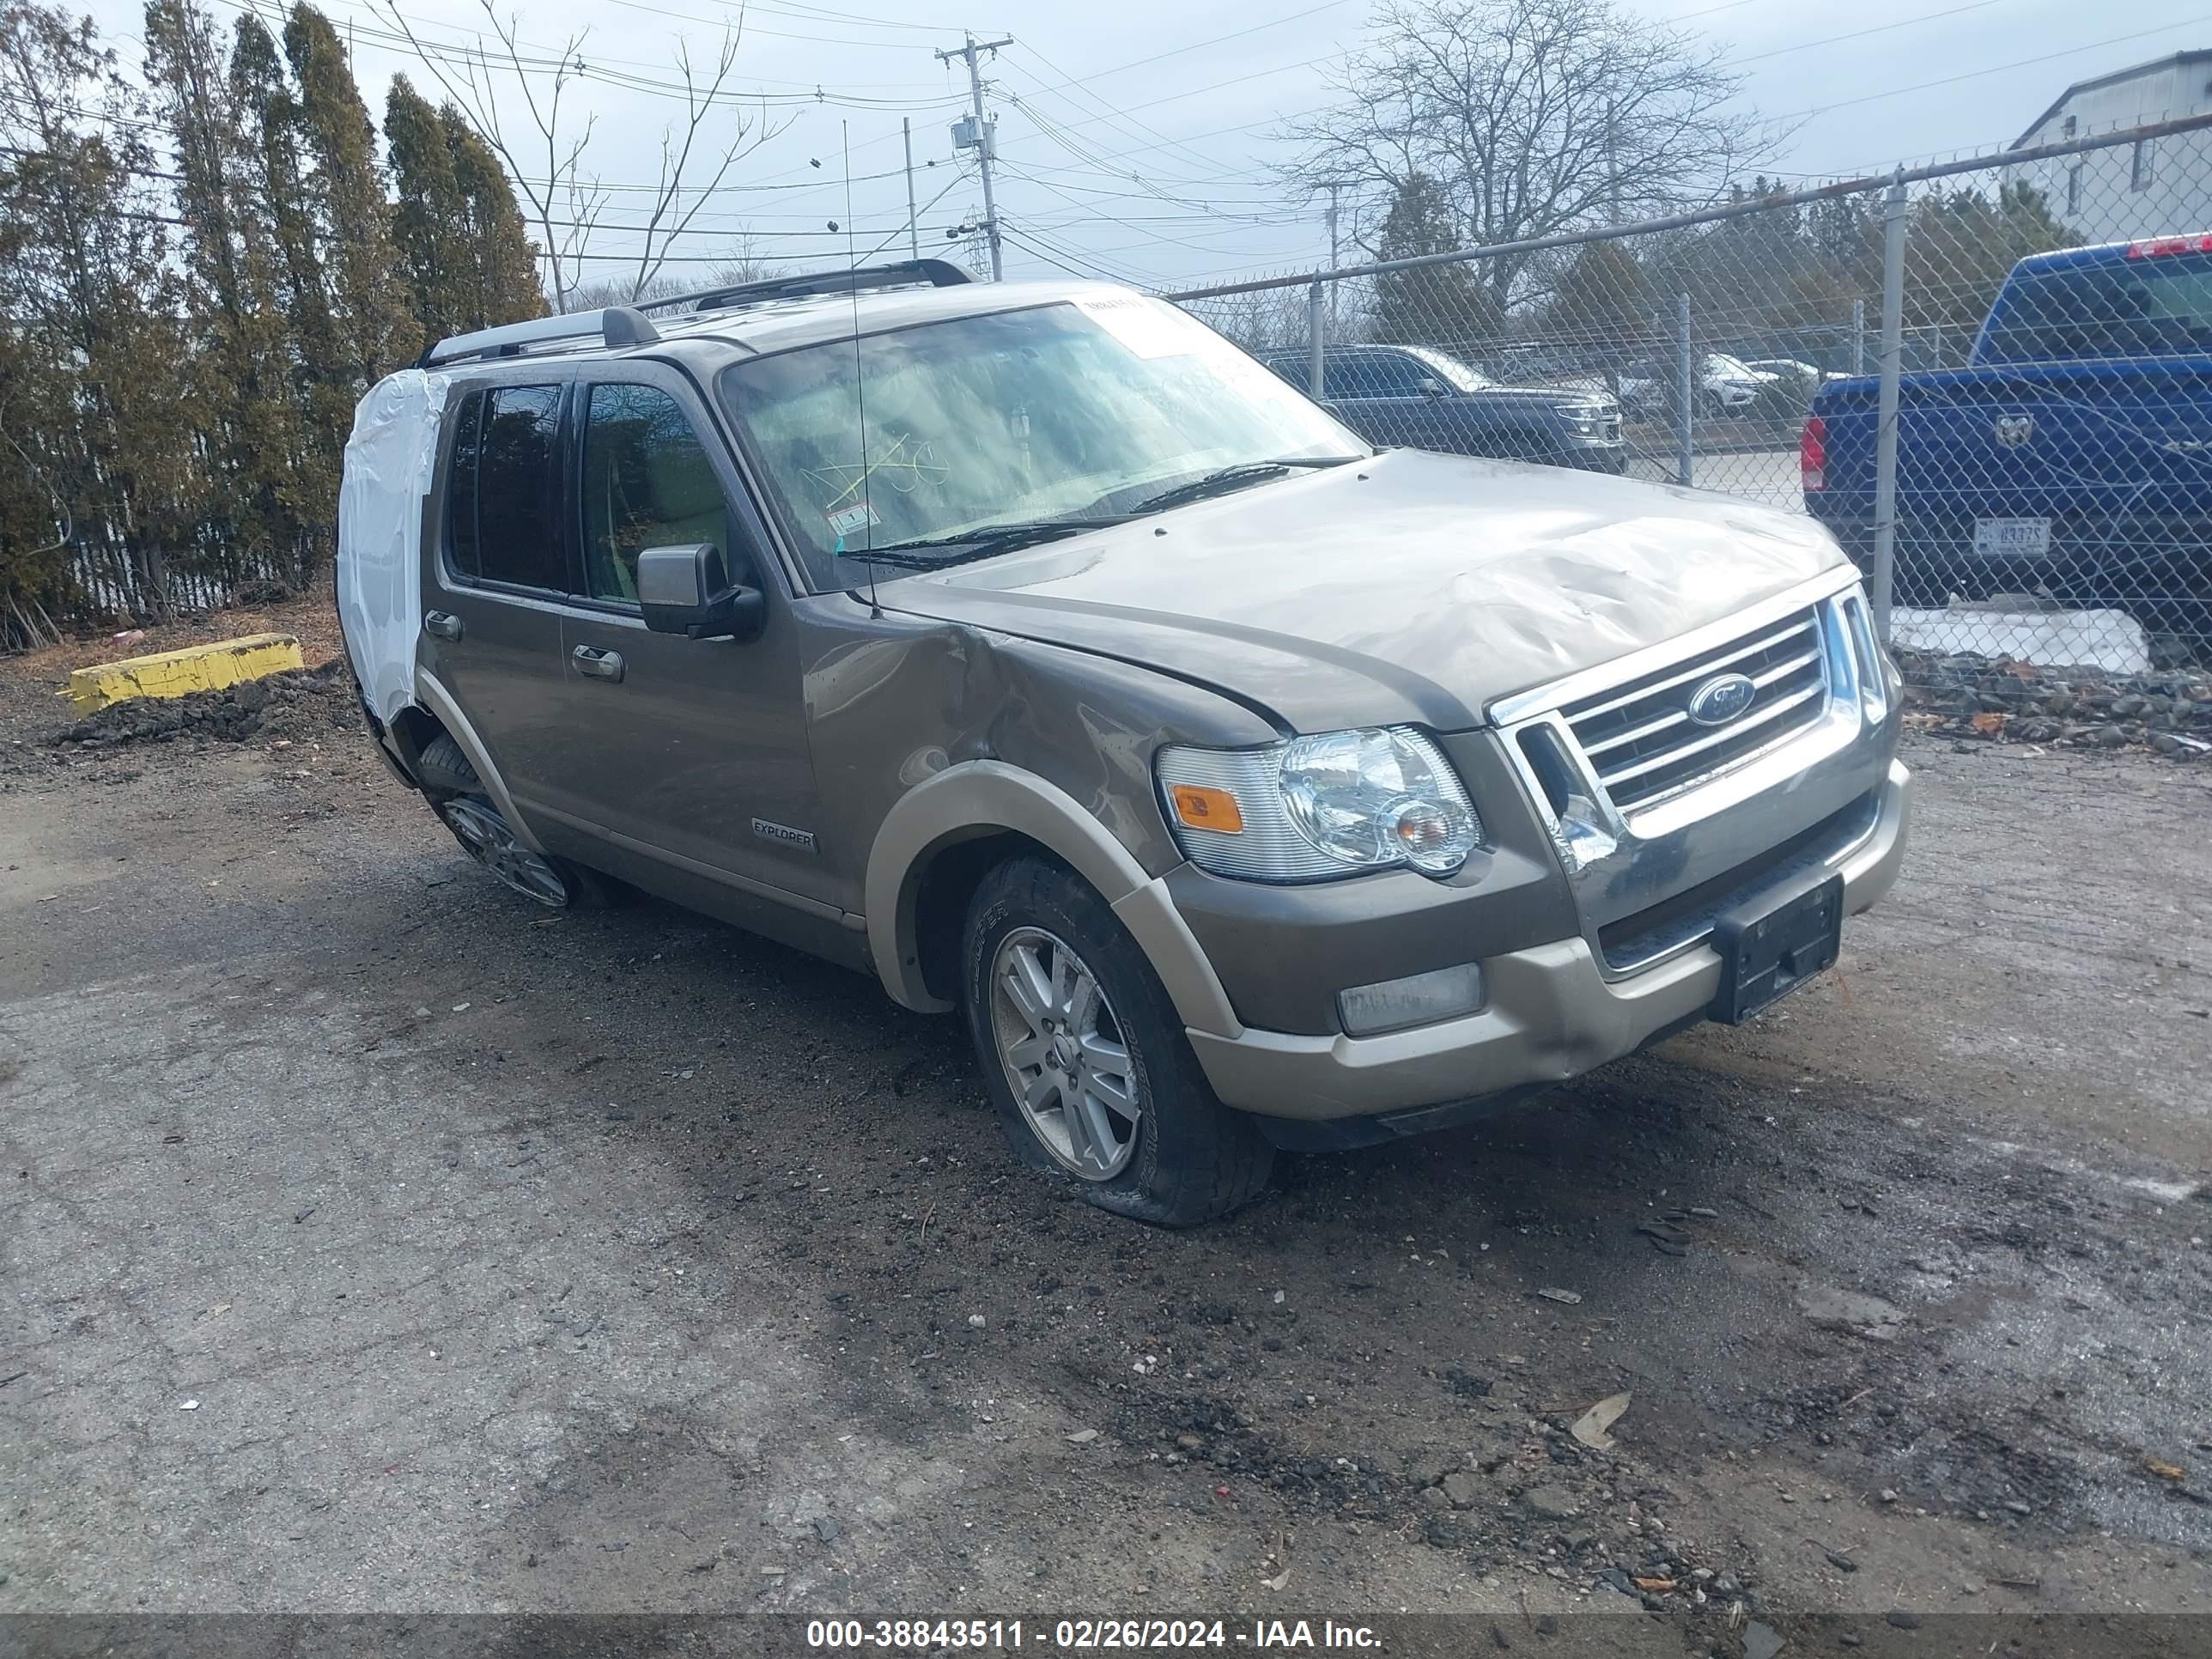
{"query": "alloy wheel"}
{"type": "Point", "coordinates": [1064, 1055]}
{"type": "Point", "coordinates": [491, 842]}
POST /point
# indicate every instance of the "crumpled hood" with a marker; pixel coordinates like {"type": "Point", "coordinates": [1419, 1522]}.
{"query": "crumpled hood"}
{"type": "Point", "coordinates": [1411, 587]}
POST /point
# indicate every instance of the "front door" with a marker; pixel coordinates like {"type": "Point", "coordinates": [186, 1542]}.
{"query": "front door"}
{"type": "Point", "coordinates": [693, 752]}
{"type": "Point", "coordinates": [1396, 404]}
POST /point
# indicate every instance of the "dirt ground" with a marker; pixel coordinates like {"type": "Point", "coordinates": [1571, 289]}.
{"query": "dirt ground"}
{"type": "Point", "coordinates": [375, 1241]}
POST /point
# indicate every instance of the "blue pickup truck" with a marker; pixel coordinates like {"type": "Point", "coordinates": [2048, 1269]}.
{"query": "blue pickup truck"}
{"type": "Point", "coordinates": [2072, 457]}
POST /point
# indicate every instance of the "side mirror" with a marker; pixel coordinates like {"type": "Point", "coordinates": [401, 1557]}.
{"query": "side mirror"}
{"type": "Point", "coordinates": [1431, 387]}
{"type": "Point", "coordinates": [685, 589]}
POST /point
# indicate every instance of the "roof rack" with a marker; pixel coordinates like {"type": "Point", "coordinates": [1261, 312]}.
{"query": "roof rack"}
{"type": "Point", "coordinates": [619, 326]}
{"type": "Point", "coordinates": [937, 273]}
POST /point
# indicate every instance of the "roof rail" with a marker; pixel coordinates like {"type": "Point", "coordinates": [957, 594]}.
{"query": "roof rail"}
{"type": "Point", "coordinates": [938, 273]}
{"type": "Point", "coordinates": [628, 325]}
{"type": "Point", "coordinates": [617, 325]}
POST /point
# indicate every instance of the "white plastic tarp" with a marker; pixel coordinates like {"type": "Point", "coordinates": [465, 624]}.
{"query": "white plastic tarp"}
{"type": "Point", "coordinates": [2110, 639]}
{"type": "Point", "coordinates": [389, 461]}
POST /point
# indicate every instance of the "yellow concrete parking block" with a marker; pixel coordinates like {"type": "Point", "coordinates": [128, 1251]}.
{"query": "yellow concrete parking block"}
{"type": "Point", "coordinates": [178, 673]}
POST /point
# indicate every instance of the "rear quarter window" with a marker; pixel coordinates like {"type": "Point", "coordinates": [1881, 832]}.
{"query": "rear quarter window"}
{"type": "Point", "coordinates": [503, 488]}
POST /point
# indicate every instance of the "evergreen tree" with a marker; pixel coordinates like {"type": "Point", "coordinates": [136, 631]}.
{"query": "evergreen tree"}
{"type": "Point", "coordinates": [1440, 304]}
{"type": "Point", "coordinates": [506, 289]}
{"type": "Point", "coordinates": [1601, 299]}
{"type": "Point", "coordinates": [91, 409]}
{"type": "Point", "coordinates": [1959, 249]}
{"type": "Point", "coordinates": [457, 227]}
{"type": "Point", "coordinates": [367, 282]}
{"type": "Point", "coordinates": [320, 390]}
{"type": "Point", "coordinates": [243, 399]}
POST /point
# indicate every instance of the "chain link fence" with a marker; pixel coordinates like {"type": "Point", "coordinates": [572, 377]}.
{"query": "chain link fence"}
{"type": "Point", "coordinates": [1991, 378]}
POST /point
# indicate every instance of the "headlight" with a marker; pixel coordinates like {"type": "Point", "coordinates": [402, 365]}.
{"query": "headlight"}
{"type": "Point", "coordinates": [1315, 807]}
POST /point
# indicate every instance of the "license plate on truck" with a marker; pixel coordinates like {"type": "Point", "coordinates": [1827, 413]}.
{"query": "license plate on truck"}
{"type": "Point", "coordinates": [2012, 538]}
{"type": "Point", "coordinates": [1773, 944]}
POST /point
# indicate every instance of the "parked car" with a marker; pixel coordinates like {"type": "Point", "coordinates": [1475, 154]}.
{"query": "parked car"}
{"type": "Point", "coordinates": [1725, 387]}
{"type": "Point", "coordinates": [1426, 399]}
{"type": "Point", "coordinates": [1804, 377]}
{"type": "Point", "coordinates": [2072, 455]}
{"type": "Point", "coordinates": [1239, 787]}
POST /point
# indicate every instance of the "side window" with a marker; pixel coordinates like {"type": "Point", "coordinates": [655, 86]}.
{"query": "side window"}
{"type": "Point", "coordinates": [461, 486]}
{"type": "Point", "coordinates": [647, 483]}
{"type": "Point", "coordinates": [501, 518]}
{"type": "Point", "coordinates": [1348, 376]}
{"type": "Point", "coordinates": [1395, 376]}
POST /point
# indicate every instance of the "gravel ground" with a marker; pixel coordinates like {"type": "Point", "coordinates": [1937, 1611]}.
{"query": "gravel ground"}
{"type": "Point", "coordinates": [376, 1243]}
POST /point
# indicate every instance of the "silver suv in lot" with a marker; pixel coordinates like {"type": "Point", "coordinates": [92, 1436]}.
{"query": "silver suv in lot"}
{"type": "Point", "coordinates": [1032, 649]}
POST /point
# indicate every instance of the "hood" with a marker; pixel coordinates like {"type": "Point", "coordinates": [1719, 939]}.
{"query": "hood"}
{"type": "Point", "coordinates": [1536, 397]}
{"type": "Point", "coordinates": [1408, 588]}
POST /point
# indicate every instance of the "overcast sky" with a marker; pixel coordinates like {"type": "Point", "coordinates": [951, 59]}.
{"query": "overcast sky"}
{"type": "Point", "coordinates": [1089, 95]}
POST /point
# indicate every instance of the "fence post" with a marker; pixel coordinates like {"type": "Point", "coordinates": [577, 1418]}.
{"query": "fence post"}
{"type": "Point", "coordinates": [1316, 337]}
{"type": "Point", "coordinates": [1858, 336]}
{"type": "Point", "coordinates": [1685, 395]}
{"type": "Point", "coordinates": [1892, 364]}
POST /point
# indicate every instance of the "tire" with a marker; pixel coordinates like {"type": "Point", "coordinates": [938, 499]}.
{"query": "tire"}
{"type": "Point", "coordinates": [456, 794]}
{"type": "Point", "coordinates": [1181, 1157]}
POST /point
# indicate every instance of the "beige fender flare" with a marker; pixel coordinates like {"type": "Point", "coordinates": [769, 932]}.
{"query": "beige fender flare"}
{"type": "Point", "coordinates": [986, 797]}
{"type": "Point", "coordinates": [434, 696]}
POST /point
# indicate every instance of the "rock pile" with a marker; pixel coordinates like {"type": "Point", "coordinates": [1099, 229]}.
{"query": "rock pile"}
{"type": "Point", "coordinates": [2168, 710]}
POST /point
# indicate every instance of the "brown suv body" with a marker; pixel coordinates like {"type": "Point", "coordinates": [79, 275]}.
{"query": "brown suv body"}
{"type": "Point", "coordinates": [846, 770]}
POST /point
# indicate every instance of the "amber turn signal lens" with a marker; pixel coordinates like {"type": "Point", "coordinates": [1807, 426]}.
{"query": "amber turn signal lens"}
{"type": "Point", "coordinates": [1201, 807]}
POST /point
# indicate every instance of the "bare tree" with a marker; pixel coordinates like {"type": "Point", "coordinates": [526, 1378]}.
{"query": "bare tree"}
{"type": "Point", "coordinates": [671, 214]}
{"type": "Point", "coordinates": [1530, 116]}
{"type": "Point", "coordinates": [741, 264]}
{"type": "Point", "coordinates": [567, 204]}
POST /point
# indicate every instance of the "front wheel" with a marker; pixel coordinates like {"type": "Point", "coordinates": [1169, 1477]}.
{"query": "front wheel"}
{"type": "Point", "coordinates": [1085, 1059]}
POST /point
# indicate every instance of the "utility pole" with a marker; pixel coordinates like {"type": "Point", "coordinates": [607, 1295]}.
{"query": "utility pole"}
{"type": "Point", "coordinates": [1612, 169]}
{"type": "Point", "coordinates": [913, 234]}
{"type": "Point", "coordinates": [983, 147]}
{"type": "Point", "coordinates": [1335, 254]}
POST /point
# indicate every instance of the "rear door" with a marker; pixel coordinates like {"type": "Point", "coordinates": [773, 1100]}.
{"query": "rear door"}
{"type": "Point", "coordinates": [694, 752]}
{"type": "Point", "coordinates": [493, 590]}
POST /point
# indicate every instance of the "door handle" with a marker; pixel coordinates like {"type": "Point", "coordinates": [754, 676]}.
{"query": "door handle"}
{"type": "Point", "coordinates": [599, 664]}
{"type": "Point", "coordinates": [443, 624]}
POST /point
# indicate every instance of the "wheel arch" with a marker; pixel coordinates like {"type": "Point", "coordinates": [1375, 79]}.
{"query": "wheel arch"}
{"type": "Point", "coordinates": [436, 705]}
{"type": "Point", "coordinates": [941, 837]}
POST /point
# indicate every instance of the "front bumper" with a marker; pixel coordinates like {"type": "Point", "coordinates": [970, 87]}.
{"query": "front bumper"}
{"type": "Point", "coordinates": [1551, 1014]}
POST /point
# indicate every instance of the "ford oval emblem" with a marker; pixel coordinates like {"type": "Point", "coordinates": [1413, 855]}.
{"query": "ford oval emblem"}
{"type": "Point", "coordinates": [1720, 699]}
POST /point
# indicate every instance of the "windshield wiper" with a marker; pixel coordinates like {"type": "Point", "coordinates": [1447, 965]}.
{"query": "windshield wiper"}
{"type": "Point", "coordinates": [978, 544]}
{"type": "Point", "coordinates": [1233, 477]}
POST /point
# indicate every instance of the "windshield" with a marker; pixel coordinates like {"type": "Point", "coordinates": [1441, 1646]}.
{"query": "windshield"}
{"type": "Point", "coordinates": [2141, 308]}
{"type": "Point", "coordinates": [1452, 372]}
{"type": "Point", "coordinates": [1075, 411]}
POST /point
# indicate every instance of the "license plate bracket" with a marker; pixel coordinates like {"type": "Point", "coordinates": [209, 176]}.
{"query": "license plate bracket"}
{"type": "Point", "coordinates": [2012, 538]}
{"type": "Point", "coordinates": [1771, 944]}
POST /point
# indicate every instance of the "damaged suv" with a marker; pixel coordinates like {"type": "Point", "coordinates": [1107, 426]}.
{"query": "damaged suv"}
{"type": "Point", "coordinates": [1031, 649]}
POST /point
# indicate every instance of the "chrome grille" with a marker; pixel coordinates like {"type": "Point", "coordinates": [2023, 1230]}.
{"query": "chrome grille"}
{"type": "Point", "coordinates": [1640, 738]}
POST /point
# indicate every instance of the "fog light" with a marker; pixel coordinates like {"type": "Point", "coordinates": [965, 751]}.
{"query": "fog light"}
{"type": "Point", "coordinates": [1419, 999]}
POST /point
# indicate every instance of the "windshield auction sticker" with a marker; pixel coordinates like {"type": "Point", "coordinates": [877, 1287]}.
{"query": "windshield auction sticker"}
{"type": "Point", "coordinates": [1148, 327]}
